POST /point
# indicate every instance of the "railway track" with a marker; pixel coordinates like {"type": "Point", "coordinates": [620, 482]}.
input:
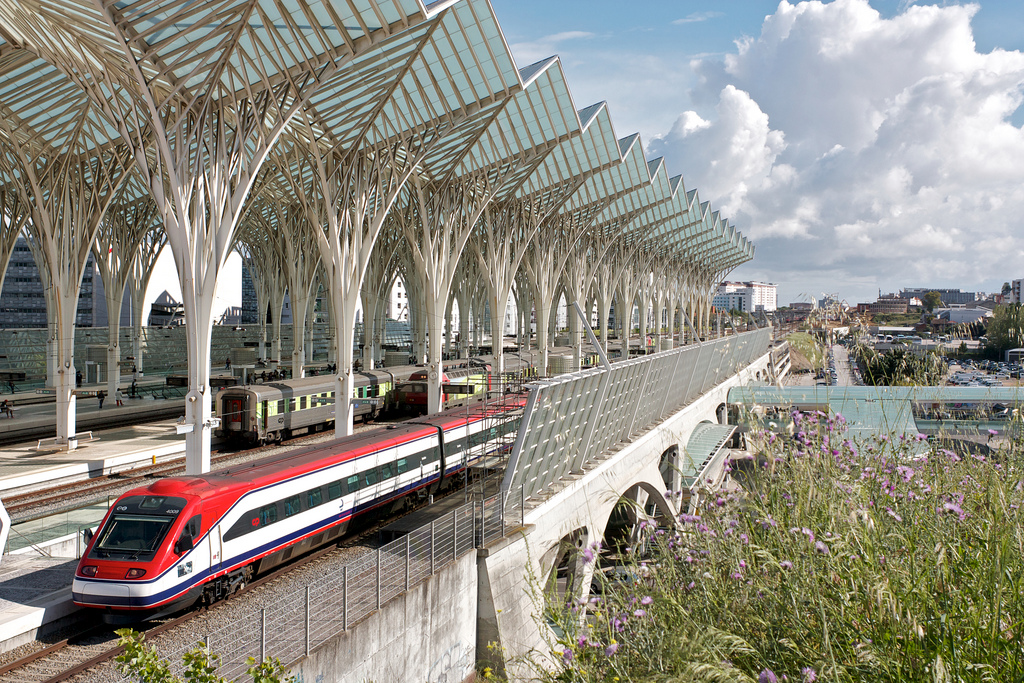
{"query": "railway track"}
{"type": "Point", "coordinates": [96, 645]}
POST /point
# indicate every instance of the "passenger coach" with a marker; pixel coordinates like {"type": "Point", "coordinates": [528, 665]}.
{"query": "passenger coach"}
{"type": "Point", "coordinates": [163, 547]}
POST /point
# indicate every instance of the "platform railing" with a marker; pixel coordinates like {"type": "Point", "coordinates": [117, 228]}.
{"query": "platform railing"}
{"type": "Point", "coordinates": [572, 420]}
{"type": "Point", "coordinates": [316, 608]}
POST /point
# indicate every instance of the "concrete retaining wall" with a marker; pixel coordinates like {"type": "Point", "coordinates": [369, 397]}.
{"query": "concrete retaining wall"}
{"type": "Point", "coordinates": [425, 635]}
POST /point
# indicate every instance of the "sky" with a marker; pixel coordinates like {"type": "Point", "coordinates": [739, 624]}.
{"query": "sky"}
{"type": "Point", "coordinates": [862, 145]}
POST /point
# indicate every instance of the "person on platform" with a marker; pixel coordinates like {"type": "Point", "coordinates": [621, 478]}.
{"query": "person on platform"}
{"type": "Point", "coordinates": [135, 387]}
{"type": "Point", "coordinates": [118, 398]}
{"type": "Point", "coordinates": [78, 379]}
{"type": "Point", "coordinates": [227, 363]}
{"type": "Point", "coordinates": [6, 408]}
{"type": "Point", "coordinates": [100, 395]}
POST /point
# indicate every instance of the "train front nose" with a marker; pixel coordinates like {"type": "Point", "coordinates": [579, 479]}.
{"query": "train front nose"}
{"type": "Point", "coordinates": [100, 593]}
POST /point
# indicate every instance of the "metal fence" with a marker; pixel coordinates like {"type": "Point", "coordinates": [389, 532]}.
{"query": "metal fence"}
{"type": "Point", "coordinates": [290, 625]}
{"type": "Point", "coordinates": [573, 419]}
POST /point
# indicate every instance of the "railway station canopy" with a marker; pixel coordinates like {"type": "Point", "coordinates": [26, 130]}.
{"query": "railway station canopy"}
{"type": "Point", "coordinates": [336, 145]}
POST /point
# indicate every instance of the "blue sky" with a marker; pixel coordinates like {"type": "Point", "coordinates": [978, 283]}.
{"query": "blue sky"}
{"type": "Point", "coordinates": [862, 144]}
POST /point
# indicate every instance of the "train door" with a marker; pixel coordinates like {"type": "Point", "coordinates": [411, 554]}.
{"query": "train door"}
{"type": "Point", "coordinates": [216, 548]}
{"type": "Point", "coordinates": [232, 417]}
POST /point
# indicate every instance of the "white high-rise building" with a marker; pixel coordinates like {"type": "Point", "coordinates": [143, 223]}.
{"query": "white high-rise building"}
{"type": "Point", "coordinates": [747, 297]}
{"type": "Point", "coordinates": [1015, 291]}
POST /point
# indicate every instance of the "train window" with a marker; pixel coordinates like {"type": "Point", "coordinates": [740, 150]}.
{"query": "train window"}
{"type": "Point", "coordinates": [268, 514]}
{"type": "Point", "coordinates": [371, 477]}
{"type": "Point", "coordinates": [334, 490]}
{"type": "Point", "coordinates": [302, 403]}
{"type": "Point", "coordinates": [291, 405]}
{"type": "Point", "coordinates": [387, 471]}
{"type": "Point", "coordinates": [292, 505]}
{"type": "Point", "coordinates": [332, 394]}
{"type": "Point", "coordinates": [314, 497]}
{"type": "Point", "coordinates": [280, 407]}
{"type": "Point", "coordinates": [248, 522]}
{"type": "Point", "coordinates": [194, 526]}
{"type": "Point", "coordinates": [403, 465]}
{"type": "Point", "coordinates": [352, 483]}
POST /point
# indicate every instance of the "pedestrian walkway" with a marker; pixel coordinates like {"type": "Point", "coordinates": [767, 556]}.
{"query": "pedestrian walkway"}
{"type": "Point", "coordinates": [35, 592]}
{"type": "Point", "coordinates": [110, 450]}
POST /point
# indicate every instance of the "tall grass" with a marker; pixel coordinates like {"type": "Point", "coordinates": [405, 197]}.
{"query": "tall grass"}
{"type": "Point", "coordinates": [889, 562]}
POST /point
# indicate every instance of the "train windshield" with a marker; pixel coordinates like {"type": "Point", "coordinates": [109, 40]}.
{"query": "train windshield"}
{"type": "Point", "coordinates": [137, 527]}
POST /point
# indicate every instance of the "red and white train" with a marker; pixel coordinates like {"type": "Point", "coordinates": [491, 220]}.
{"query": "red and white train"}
{"type": "Point", "coordinates": [163, 547]}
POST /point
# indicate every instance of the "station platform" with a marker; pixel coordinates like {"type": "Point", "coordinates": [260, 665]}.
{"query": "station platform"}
{"type": "Point", "coordinates": [35, 597]}
{"type": "Point", "coordinates": [25, 464]}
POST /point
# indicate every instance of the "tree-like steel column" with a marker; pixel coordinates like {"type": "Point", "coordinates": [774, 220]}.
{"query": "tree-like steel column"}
{"type": "Point", "coordinates": [437, 223]}
{"type": "Point", "coordinates": [118, 240]}
{"type": "Point", "coordinates": [66, 192]}
{"type": "Point", "coordinates": [149, 250]}
{"type": "Point", "coordinates": [13, 216]}
{"type": "Point", "coordinates": [499, 244]}
{"type": "Point", "coordinates": [295, 242]}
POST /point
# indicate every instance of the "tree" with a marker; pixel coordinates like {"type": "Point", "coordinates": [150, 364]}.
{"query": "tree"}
{"type": "Point", "coordinates": [141, 662]}
{"type": "Point", "coordinates": [1006, 330]}
{"type": "Point", "coordinates": [1006, 288]}
{"type": "Point", "coordinates": [931, 300]}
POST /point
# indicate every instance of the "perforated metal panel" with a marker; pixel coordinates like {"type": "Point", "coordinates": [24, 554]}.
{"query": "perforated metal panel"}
{"type": "Point", "coordinates": [574, 419]}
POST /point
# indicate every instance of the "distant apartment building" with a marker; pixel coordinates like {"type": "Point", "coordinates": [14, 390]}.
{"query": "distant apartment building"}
{"type": "Point", "coordinates": [889, 303]}
{"type": "Point", "coordinates": [1015, 292]}
{"type": "Point", "coordinates": [398, 303]}
{"type": "Point", "coordinates": [949, 296]}
{"type": "Point", "coordinates": [747, 297]}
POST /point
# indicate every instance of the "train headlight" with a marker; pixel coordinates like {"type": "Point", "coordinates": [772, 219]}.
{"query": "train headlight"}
{"type": "Point", "coordinates": [135, 573]}
{"type": "Point", "coordinates": [90, 570]}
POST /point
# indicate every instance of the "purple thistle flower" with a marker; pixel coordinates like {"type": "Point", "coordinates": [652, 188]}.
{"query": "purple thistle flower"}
{"type": "Point", "coordinates": [809, 674]}
{"type": "Point", "coordinates": [992, 432]}
{"type": "Point", "coordinates": [567, 655]}
{"type": "Point", "coordinates": [646, 600]}
{"type": "Point", "coordinates": [767, 676]}
{"type": "Point", "coordinates": [588, 555]}
{"type": "Point", "coordinates": [640, 613]}
{"type": "Point", "coordinates": [611, 649]}
{"type": "Point", "coordinates": [821, 548]}
{"type": "Point", "coordinates": [737, 576]}
{"type": "Point", "coordinates": [955, 509]}
{"type": "Point", "coordinates": [745, 539]}
{"type": "Point", "coordinates": [786, 564]}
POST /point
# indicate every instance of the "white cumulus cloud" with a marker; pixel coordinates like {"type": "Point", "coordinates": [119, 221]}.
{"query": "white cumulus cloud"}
{"type": "Point", "coordinates": [860, 152]}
